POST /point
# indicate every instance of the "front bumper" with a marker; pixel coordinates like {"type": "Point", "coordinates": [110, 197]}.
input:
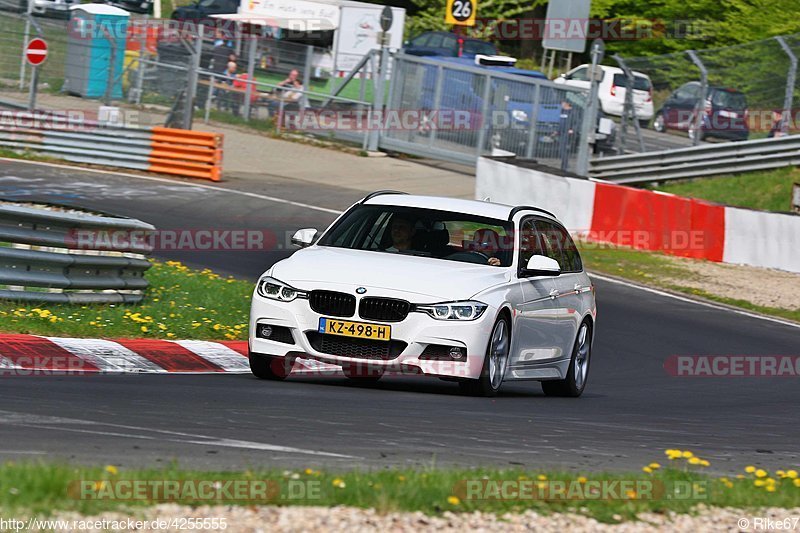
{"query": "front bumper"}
{"type": "Point", "coordinates": [417, 331]}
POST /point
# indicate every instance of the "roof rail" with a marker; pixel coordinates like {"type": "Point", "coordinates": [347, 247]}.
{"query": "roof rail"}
{"type": "Point", "coordinates": [519, 208]}
{"type": "Point", "coordinates": [379, 193]}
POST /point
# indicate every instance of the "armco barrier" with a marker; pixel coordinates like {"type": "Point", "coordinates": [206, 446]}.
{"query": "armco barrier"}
{"type": "Point", "coordinates": [177, 152]}
{"type": "Point", "coordinates": [649, 220]}
{"type": "Point", "coordinates": [54, 255]}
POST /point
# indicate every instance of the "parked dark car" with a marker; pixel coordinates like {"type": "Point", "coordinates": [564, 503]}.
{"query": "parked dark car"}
{"type": "Point", "coordinates": [724, 112]}
{"type": "Point", "coordinates": [201, 10]}
{"type": "Point", "coordinates": [134, 6]}
{"type": "Point", "coordinates": [442, 43]}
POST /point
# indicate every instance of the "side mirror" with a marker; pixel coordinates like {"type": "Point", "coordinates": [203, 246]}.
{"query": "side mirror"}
{"type": "Point", "coordinates": [539, 265]}
{"type": "Point", "coordinates": [563, 75]}
{"type": "Point", "coordinates": [304, 237]}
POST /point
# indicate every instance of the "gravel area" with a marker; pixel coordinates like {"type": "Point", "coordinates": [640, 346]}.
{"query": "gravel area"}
{"type": "Point", "coordinates": [759, 286]}
{"type": "Point", "coordinates": [322, 519]}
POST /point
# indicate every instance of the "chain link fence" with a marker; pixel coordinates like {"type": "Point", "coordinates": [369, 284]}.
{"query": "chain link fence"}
{"type": "Point", "coordinates": [719, 94]}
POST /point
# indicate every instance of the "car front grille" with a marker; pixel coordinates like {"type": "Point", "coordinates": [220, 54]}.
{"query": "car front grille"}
{"type": "Point", "coordinates": [383, 309]}
{"type": "Point", "coordinates": [355, 348]}
{"type": "Point", "coordinates": [332, 303]}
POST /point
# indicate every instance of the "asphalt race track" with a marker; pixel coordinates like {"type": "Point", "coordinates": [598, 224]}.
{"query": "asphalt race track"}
{"type": "Point", "coordinates": [633, 409]}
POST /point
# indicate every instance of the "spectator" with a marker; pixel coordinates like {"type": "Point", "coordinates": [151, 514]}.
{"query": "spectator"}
{"type": "Point", "coordinates": [229, 100]}
{"type": "Point", "coordinates": [777, 124]}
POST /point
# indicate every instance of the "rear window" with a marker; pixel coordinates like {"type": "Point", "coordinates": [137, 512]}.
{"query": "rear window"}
{"type": "Point", "coordinates": [729, 99]}
{"type": "Point", "coordinates": [479, 47]}
{"type": "Point", "coordinates": [640, 83]}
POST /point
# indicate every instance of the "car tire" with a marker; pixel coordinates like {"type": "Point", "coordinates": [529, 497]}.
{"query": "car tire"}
{"type": "Point", "coordinates": [494, 363]}
{"type": "Point", "coordinates": [659, 124]}
{"type": "Point", "coordinates": [575, 383]}
{"type": "Point", "coordinates": [269, 367]}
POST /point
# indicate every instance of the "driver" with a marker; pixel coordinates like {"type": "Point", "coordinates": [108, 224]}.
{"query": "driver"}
{"type": "Point", "coordinates": [401, 230]}
{"type": "Point", "coordinates": [486, 241]}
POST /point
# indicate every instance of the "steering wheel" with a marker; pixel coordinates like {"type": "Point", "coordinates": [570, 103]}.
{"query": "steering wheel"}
{"type": "Point", "coordinates": [472, 256]}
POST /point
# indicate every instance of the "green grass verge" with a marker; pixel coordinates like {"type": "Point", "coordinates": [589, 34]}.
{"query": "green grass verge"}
{"type": "Point", "coordinates": [660, 270]}
{"type": "Point", "coordinates": [42, 488]}
{"type": "Point", "coordinates": [180, 304]}
{"type": "Point", "coordinates": [769, 190]}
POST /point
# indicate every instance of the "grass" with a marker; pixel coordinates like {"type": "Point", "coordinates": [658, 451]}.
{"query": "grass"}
{"type": "Point", "coordinates": [42, 488]}
{"type": "Point", "coordinates": [180, 304]}
{"type": "Point", "coordinates": [660, 270]}
{"type": "Point", "coordinates": [769, 190]}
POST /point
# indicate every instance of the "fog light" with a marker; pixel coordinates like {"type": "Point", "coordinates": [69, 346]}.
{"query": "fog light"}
{"type": "Point", "coordinates": [456, 353]}
{"type": "Point", "coordinates": [265, 332]}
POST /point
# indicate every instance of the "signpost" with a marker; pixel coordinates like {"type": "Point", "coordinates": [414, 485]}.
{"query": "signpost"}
{"type": "Point", "coordinates": [461, 12]}
{"type": "Point", "coordinates": [35, 55]}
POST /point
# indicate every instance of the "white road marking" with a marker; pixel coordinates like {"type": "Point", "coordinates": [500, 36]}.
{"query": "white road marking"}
{"type": "Point", "coordinates": [226, 358]}
{"type": "Point", "coordinates": [108, 356]}
{"type": "Point", "coordinates": [173, 182]}
{"type": "Point", "coordinates": [693, 301]}
{"type": "Point", "coordinates": [136, 432]}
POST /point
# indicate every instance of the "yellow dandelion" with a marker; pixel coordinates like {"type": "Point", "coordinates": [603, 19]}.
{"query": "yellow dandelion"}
{"type": "Point", "coordinates": [759, 483]}
{"type": "Point", "coordinates": [780, 473]}
{"type": "Point", "coordinates": [796, 482]}
{"type": "Point", "coordinates": [111, 469]}
{"type": "Point", "coordinates": [791, 474]}
{"type": "Point", "coordinates": [401, 478]}
{"type": "Point", "coordinates": [687, 454]}
{"type": "Point", "coordinates": [761, 473]}
{"type": "Point", "coordinates": [338, 483]}
{"type": "Point", "coordinates": [694, 461]}
{"type": "Point", "coordinates": [541, 477]}
{"type": "Point", "coordinates": [582, 479]}
{"type": "Point", "coordinates": [631, 494]}
{"type": "Point", "coordinates": [749, 469]}
{"type": "Point", "coordinates": [654, 466]}
{"type": "Point", "coordinates": [453, 500]}
{"type": "Point", "coordinates": [647, 469]}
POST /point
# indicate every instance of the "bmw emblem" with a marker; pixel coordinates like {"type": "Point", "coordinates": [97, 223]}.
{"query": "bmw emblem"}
{"type": "Point", "coordinates": [361, 290]}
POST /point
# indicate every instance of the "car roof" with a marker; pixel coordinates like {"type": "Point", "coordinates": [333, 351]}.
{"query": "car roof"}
{"type": "Point", "coordinates": [614, 70]}
{"type": "Point", "coordinates": [470, 62]}
{"type": "Point", "coordinates": [457, 205]}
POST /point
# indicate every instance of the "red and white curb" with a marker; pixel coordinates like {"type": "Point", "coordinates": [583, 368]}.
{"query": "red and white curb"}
{"type": "Point", "coordinates": [24, 354]}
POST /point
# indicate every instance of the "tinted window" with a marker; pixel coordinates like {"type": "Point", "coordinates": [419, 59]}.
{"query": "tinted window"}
{"type": "Point", "coordinates": [450, 43]}
{"type": "Point", "coordinates": [529, 243]}
{"type": "Point", "coordinates": [479, 47]}
{"type": "Point", "coordinates": [580, 74]}
{"type": "Point", "coordinates": [422, 40]}
{"type": "Point", "coordinates": [435, 40]}
{"type": "Point", "coordinates": [728, 99]}
{"type": "Point", "coordinates": [639, 83]}
{"type": "Point", "coordinates": [422, 232]}
{"type": "Point", "coordinates": [559, 246]}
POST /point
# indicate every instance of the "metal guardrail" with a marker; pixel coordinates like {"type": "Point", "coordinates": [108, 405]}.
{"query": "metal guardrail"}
{"type": "Point", "coordinates": [49, 255]}
{"type": "Point", "coordinates": [698, 161]}
{"type": "Point", "coordinates": [164, 150]}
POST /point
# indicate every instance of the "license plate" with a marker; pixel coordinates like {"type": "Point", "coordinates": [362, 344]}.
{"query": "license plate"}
{"type": "Point", "coordinates": [361, 330]}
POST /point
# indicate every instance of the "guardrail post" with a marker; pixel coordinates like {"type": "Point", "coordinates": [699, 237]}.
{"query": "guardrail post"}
{"type": "Point", "coordinates": [700, 108]}
{"type": "Point", "coordinates": [790, 80]}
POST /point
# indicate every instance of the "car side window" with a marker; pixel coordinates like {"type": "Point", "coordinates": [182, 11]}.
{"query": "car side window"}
{"type": "Point", "coordinates": [559, 245]}
{"type": "Point", "coordinates": [529, 242]}
{"type": "Point", "coordinates": [579, 74]}
{"type": "Point", "coordinates": [435, 41]}
{"type": "Point", "coordinates": [422, 40]}
{"type": "Point", "coordinates": [450, 43]}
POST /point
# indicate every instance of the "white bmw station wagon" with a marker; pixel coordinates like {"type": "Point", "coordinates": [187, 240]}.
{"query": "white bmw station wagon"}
{"type": "Point", "coordinates": [468, 291]}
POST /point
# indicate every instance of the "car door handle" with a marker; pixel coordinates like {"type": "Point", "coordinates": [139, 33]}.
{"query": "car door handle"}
{"type": "Point", "coordinates": [554, 293]}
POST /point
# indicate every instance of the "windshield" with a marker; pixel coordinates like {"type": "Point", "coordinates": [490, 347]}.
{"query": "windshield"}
{"type": "Point", "coordinates": [424, 232]}
{"type": "Point", "coordinates": [479, 47]}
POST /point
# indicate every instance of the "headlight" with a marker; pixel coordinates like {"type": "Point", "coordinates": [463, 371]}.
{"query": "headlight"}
{"type": "Point", "coordinates": [519, 115]}
{"type": "Point", "coordinates": [468, 310]}
{"type": "Point", "coordinates": [271, 288]}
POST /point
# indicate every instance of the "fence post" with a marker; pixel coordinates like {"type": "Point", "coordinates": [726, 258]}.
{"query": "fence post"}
{"type": "Point", "coordinates": [484, 125]}
{"type": "Point", "coordinates": [589, 125]}
{"type": "Point", "coordinates": [191, 89]}
{"type": "Point", "coordinates": [700, 108]}
{"type": "Point", "coordinates": [377, 100]}
{"type": "Point", "coordinates": [790, 79]}
{"type": "Point", "coordinates": [209, 96]}
{"type": "Point", "coordinates": [112, 58]}
{"type": "Point", "coordinates": [437, 100]}
{"type": "Point", "coordinates": [140, 70]}
{"type": "Point", "coordinates": [534, 118]}
{"type": "Point", "coordinates": [251, 68]}
{"type": "Point", "coordinates": [307, 73]}
{"type": "Point", "coordinates": [628, 111]}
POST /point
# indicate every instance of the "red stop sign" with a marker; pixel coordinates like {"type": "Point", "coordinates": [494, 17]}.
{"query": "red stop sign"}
{"type": "Point", "coordinates": [36, 51]}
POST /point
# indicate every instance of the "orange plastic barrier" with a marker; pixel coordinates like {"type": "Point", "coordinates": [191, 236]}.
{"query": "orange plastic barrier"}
{"type": "Point", "coordinates": [196, 154]}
